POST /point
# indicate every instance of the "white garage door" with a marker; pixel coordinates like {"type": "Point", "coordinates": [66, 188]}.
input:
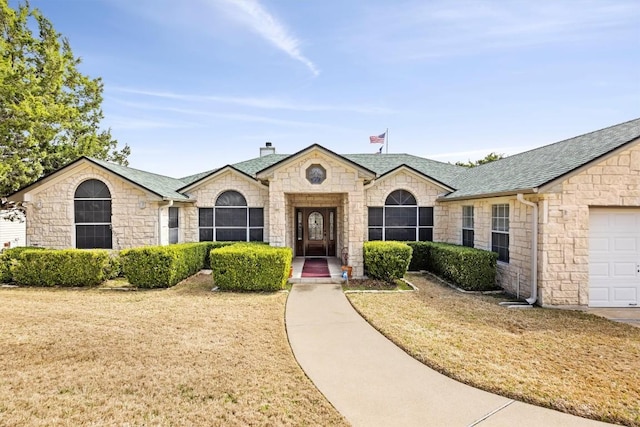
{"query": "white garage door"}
{"type": "Point", "coordinates": [614, 257]}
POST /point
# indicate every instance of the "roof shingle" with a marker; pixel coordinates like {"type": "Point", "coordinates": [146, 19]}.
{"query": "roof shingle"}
{"type": "Point", "coordinates": [520, 172]}
{"type": "Point", "coordinates": [163, 186]}
{"type": "Point", "coordinates": [532, 169]}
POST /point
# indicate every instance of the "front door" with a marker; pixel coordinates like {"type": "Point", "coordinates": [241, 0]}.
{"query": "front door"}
{"type": "Point", "coordinates": [316, 232]}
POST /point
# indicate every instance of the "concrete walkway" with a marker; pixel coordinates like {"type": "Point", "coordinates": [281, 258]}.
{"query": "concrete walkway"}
{"type": "Point", "coordinates": [372, 382]}
{"type": "Point", "coordinates": [629, 315]}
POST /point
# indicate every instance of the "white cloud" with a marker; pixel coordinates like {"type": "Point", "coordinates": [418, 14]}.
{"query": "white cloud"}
{"type": "Point", "coordinates": [255, 17]}
{"type": "Point", "coordinates": [133, 123]}
{"type": "Point", "coordinates": [253, 102]}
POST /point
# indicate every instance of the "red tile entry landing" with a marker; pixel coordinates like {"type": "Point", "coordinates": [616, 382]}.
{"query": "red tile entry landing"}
{"type": "Point", "coordinates": [315, 267]}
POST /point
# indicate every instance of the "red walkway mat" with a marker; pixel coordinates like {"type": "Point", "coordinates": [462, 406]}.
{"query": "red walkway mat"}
{"type": "Point", "coordinates": [315, 267]}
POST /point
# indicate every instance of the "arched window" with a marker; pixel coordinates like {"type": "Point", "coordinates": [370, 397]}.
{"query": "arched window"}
{"type": "Point", "coordinates": [400, 198]}
{"type": "Point", "coordinates": [92, 213]}
{"type": "Point", "coordinates": [401, 219]}
{"type": "Point", "coordinates": [231, 198]}
{"type": "Point", "coordinates": [231, 220]}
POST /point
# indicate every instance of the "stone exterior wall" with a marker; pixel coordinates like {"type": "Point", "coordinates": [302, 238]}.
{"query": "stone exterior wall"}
{"type": "Point", "coordinates": [50, 214]}
{"type": "Point", "coordinates": [564, 243]}
{"type": "Point", "coordinates": [563, 234]}
{"type": "Point", "coordinates": [256, 195]}
{"type": "Point", "coordinates": [514, 276]}
{"type": "Point", "coordinates": [288, 185]}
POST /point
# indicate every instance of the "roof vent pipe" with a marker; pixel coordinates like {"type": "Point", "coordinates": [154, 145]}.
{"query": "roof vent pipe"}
{"type": "Point", "coordinates": [534, 249]}
{"type": "Point", "coordinates": [267, 149]}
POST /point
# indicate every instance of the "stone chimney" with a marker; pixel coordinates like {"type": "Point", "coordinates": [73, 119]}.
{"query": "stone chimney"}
{"type": "Point", "coordinates": [267, 149]}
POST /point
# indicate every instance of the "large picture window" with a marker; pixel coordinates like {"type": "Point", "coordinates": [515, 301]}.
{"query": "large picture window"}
{"type": "Point", "coordinates": [401, 219]}
{"type": "Point", "coordinates": [500, 231]}
{"type": "Point", "coordinates": [467, 226]}
{"type": "Point", "coordinates": [231, 220]}
{"type": "Point", "coordinates": [92, 215]}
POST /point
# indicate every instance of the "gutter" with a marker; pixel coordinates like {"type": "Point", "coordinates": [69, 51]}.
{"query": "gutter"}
{"type": "Point", "coordinates": [160, 207]}
{"type": "Point", "coordinates": [534, 249]}
{"type": "Point", "coordinates": [445, 199]}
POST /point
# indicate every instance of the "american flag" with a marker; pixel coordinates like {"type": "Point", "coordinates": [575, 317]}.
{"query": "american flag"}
{"type": "Point", "coordinates": [378, 139]}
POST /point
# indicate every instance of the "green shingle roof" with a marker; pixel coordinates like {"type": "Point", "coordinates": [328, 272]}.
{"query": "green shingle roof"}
{"type": "Point", "coordinates": [253, 166]}
{"type": "Point", "coordinates": [197, 177]}
{"type": "Point", "coordinates": [249, 167]}
{"type": "Point", "coordinates": [445, 173]}
{"type": "Point", "coordinates": [161, 185]}
{"type": "Point", "coordinates": [533, 169]}
{"type": "Point", "coordinates": [520, 172]}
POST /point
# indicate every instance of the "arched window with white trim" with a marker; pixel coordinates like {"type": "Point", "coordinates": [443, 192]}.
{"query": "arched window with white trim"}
{"type": "Point", "coordinates": [401, 219]}
{"type": "Point", "coordinates": [92, 215]}
{"type": "Point", "coordinates": [231, 220]}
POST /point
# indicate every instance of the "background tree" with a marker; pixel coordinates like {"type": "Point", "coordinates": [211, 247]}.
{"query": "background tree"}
{"type": "Point", "coordinates": [50, 113]}
{"type": "Point", "coordinates": [491, 157]}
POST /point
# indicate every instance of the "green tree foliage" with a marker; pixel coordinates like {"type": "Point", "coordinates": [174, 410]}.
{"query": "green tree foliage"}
{"type": "Point", "coordinates": [491, 157]}
{"type": "Point", "coordinates": [50, 113]}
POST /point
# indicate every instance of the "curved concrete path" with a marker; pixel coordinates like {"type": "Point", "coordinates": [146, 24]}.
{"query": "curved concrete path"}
{"type": "Point", "coordinates": [372, 382]}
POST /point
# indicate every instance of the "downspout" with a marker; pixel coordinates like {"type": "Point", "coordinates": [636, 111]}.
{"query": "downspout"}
{"type": "Point", "coordinates": [160, 206]}
{"type": "Point", "coordinates": [534, 249]}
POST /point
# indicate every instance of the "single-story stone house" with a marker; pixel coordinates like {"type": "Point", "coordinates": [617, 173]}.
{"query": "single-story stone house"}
{"type": "Point", "coordinates": [564, 218]}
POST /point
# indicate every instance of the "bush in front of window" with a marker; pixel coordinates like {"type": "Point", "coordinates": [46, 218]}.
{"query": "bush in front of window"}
{"type": "Point", "coordinates": [8, 257]}
{"type": "Point", "coordinates": [211, 246]}
{"type": "Point", "coordinates": [114, 266]}
{"type": "Point", "coordinates": [421, 256]}
{"type": "Point", "coordinates": [71, 267]}
{"type": "Point", "coordinates": [386, 261]}
{"type": "Point", "coordinates": [251, 267]}
{"type": "Point", "coordinates": [469, 268]}
{"type": "Point", "coordinates": [162, 266]}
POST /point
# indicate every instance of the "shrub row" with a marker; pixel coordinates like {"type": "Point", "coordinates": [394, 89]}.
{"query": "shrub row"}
{"type": "Point", "coordinates": [148, 267]}
{"type": "Point", "coordinates": [72, 267]}
{"type": "Point", "coordinates": [8, 257]}
{"type": "Point", "coordinates": [251, 267]}
{"type": "Point", "coordinates": [469, 268]}
{"type": "Point", "coordinates": [386, 260]}
{"type": "Point", "coordinates": [162, 266]}
{"type": "Point", "coordinates": [211, 246]}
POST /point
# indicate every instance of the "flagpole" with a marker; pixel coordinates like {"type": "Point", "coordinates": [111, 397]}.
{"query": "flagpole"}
{"type": "Point", "coordinates": [386, 134]}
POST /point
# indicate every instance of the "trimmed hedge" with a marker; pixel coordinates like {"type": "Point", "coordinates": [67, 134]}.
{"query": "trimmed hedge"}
{"type": "Point", "coordinates": [162, 266]}
{"type": "Point", "coordinates": [421, 257]}
{"type": "Point", "coordinates": [72, 267]}
{"type": "Point", "coordinates": [114, 267]}
{"type": "Point", "coordinates": [9, 257]}
{"type": "Point", "coordinates": [211, 246]}
{"type": "Point", "coordinates": [386, 261]}
{"type": "Point", "coordinates": [251, 267]}
{"type": "Point", "coordinates": [469, 268]}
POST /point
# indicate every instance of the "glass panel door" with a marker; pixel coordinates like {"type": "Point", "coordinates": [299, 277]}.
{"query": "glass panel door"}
{"type": "Point", "coordinates": [316, 226]}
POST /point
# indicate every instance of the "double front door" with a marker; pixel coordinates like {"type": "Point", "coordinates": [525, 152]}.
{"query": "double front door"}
{"type": "Point", "coordinates": [316, 232]}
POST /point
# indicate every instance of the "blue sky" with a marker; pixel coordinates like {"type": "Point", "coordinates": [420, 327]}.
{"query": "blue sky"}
{"type": "Point", "coordinates": [192, 85]}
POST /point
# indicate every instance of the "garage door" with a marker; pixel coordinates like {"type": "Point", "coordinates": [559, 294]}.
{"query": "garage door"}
{"type": "Point", "coordinates": [614, 257]}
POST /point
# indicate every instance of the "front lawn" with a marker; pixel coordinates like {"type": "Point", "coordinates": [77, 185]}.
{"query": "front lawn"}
{"type": "Point", "coordinates": [566, 360]}
{"type": "Point", "coordinates": [180, 356]}
{"type": "Point", "coordinates": [375, 285]}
